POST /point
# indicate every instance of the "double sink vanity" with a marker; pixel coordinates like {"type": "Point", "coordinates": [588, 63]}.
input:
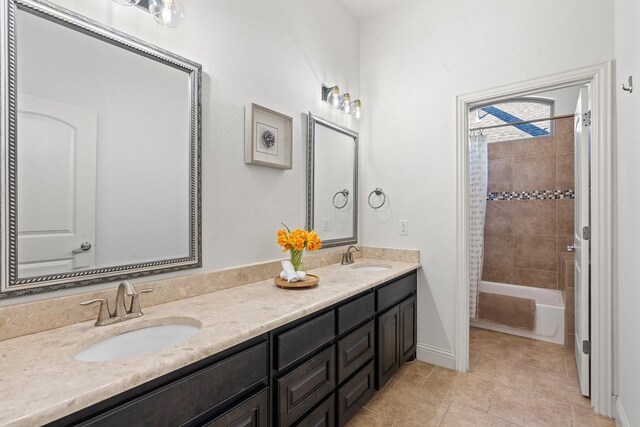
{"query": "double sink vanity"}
{"type": "Point", "coordinates": [257, 355]}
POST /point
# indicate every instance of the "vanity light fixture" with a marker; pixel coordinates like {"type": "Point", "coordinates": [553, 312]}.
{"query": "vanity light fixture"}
{"type": "Point", "coordinates": [356, 109]}
{"type": "Point", "coordinates": [166, 12]}
{"type": "Point", "coordinates": [331, 95]}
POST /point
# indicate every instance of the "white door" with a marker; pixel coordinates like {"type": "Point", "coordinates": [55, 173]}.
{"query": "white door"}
{"type": "Point", "coordinates": [56, 186]}
{"type": "Point", "coordinates": [581, 236]}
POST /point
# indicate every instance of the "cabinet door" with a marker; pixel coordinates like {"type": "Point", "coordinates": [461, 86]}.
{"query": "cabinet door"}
{"type": "Point", "coordinates": [322, 416]}
{"type": "Point", "coordinates": [408, 330]}
{"type": "Point", "coordinates": [388, 345]}
{"type": "Point", "coordinates": [301, 389]}
{"type": "Point", "coordinates": [253, 412]}
{"type": "Point", "coordinates": [354, 394]}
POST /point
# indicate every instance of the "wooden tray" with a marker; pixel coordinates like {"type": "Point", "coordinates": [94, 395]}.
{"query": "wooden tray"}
{"type": "Point", "coordinates": [309, 282]}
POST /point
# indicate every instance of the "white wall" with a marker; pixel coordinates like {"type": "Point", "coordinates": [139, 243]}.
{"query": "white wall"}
{"type": "Point", "coordinates": [276, 54]}
{"type": "Point", "coordinates": [415, 60]}
{"type": "Point", "coordinates": [627, 15]}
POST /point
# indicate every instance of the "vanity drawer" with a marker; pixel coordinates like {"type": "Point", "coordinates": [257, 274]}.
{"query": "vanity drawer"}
{"type": "Point", "coordinates": [322, 416]}
{"type": "Point", "coordinates": [190, 397]}
{"type": "Point", "coordinates": [355, 350]}
{"type": "Point", "coordinates": [305, 386]}
{"type": "Point", "coordinates": [253, 412]}
{"type": "Point", "coordinates": [355, 312]}
{"type": "Point", "coordinates": [354, 394]}
{"type": "Point", "coordinates": [396, 291]}
{"type": "Point", "coordinates": [295, 344]}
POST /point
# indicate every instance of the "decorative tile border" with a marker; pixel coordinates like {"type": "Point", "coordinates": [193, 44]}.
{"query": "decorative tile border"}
{"type": "Point", "coordinates": [533, 195]}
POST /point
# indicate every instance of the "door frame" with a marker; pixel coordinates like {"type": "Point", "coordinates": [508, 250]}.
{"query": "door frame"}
{"type": "Point", "coordinates": [600, 77]}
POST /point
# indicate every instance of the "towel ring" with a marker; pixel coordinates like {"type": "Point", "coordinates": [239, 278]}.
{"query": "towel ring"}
{"type": "Point", "coordinates": [378, 191]}
{"type": "Point", "coordinates": [345, 193]}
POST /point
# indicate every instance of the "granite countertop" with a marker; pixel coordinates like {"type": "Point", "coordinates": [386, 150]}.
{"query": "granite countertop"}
{"type": "Point", "coordinates": [40, 380]}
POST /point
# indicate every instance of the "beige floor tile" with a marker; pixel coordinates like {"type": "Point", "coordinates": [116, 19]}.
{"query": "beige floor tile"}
{"type": "Point", "coordinates": [509, 404]}
{"type": "Point", "coordinates": [402, 401]}
{"type": "Point", "coordinates": [459, 415]}
{"type": "Point", "coordinates": [442, 376]}
{"type": "Point", "coordinates": [483, 367]}
{"type": "Point", "coordinates": [414, 373]}
{"type": "Point", "coordinates": [548, 414]}
{"type": "Point", "coordinates": [587, 418]}
{"type": "Point", "coordinates": [366, 418]}
{"type": "Point", "coordinates": [471, 391]}
{"type": "Point", "coordinates": [560, 392]}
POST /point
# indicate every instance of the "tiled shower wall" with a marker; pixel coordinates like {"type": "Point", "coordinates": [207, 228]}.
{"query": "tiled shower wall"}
{"type": "Point", "coordinates": [524, 238]}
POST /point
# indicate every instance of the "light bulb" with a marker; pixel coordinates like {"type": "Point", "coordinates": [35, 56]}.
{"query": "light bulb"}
{"type": "Point", "coordinates": [127, 2]}
{"type": "Point", "coordinates": [166, 12]}
{"type": "Point", "coordinates": [333, 97]}
{"type": "Point", "coordinates": [346, 103]}
{"type": "Point", "coordinates": [356, 109]}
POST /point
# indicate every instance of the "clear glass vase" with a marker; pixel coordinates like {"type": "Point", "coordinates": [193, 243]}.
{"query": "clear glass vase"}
{"type": "Point", "coordinates": [296, 260]}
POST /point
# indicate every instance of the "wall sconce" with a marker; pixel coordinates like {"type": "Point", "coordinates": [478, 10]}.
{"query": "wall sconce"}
{"type": "Point", "coordinates": [331, 95]}
{"type": "Point", "coordinates": [166, 12]}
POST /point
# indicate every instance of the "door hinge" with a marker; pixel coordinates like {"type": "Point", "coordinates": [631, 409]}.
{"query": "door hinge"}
{"type": "Point", "coordinates": [586, 233]}
{"type": "Point", "coordinates": [586, 119]}
{"type": "Point", "coordinates": [586, 347]}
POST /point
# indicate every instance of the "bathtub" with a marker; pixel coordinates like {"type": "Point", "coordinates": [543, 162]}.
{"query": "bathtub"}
{"type": "Point", "coordinates": [549, 312]}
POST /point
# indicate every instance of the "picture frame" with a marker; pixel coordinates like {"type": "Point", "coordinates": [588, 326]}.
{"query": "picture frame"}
{"type": "Point", "coordinates": [268, 140]}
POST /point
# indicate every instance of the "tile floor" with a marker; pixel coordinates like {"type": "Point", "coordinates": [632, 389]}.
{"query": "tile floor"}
{"type": "Point", "coordinates": [513, 381]}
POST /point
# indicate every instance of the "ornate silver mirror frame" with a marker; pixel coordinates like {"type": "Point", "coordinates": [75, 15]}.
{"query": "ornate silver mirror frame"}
{"type": "Point", "coordinates": [313, 123]}
{"type": "Point", "coordinates": [11, 285]}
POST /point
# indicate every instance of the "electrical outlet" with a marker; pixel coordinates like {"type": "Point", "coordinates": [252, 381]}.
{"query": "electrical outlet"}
{"type": "Point", "coordinates": [404, 227]}
{"type": "Point", "coordinates": [325, 224]}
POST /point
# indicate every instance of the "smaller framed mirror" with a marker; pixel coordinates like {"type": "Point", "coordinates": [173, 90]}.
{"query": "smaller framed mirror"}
{"type": "Point", "coordinates": [332, 182]}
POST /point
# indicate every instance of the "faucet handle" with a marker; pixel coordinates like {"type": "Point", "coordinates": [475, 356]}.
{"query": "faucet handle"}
{"type": "Point", "coordinates": [104, 312]}
{"type": "Point", "coordinates": [135, 302]}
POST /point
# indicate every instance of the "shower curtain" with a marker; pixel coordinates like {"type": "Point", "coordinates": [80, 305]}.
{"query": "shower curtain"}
{"type": "Point", "coordinates": [478, 170]}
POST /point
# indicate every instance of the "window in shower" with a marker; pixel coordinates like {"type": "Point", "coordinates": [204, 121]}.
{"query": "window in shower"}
{"type": "Point", "coordinates": [514, 111]}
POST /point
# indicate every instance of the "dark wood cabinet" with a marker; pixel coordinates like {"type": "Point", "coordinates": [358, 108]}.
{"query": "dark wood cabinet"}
{"type": "Point", "coordinates": [355, 350]}
{"type": "Point", "coordinates": [395, 327]}
{"type": "Point", "coordinates": [253, 412]}
{"type": "Point", "coordinates": [301, 341]}
{"type": "Point", "coordinates": [354, 394]}
{"type": "Point", "coordinates": [305, 386]}
{"type": "Point", "coordinates": [408, 330]}
{"type": "Point", "coordinates": [322, 416]}
{"type": "Point", "coordinates": [355, 312]}
{"type": "Point", "coordinates": [388, 346]}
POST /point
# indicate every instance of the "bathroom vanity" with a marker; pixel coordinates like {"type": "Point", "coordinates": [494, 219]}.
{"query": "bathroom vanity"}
{"type": "Point", "coordinates": [317, 370]}
{"type": "Point", "coordinates": [263, 356]}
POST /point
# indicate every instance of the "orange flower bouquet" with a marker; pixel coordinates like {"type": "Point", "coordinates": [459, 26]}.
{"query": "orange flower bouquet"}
{"type": "Point", "coordinates": [296, 242]}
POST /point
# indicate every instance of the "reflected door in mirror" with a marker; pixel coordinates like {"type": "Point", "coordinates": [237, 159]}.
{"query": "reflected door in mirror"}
{"type": "Point", "coordinates": [57, 180]}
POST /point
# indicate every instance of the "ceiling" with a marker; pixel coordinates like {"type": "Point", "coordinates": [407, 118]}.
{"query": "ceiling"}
{"type": "Point", "coordinates": [364, 9]}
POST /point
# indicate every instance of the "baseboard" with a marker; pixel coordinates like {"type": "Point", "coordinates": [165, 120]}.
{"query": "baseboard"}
{"type": "Point", "coordinates": [436, 356]}
{"type": "Point", "coordinates": [620, 416]}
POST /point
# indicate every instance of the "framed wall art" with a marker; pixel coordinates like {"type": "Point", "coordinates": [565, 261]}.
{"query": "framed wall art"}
{"type": "Point", "coordinates": [269, 138]}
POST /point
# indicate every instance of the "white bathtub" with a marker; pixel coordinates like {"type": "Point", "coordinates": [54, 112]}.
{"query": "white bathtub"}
{"type": "Point", "coordinates": [549, 312]}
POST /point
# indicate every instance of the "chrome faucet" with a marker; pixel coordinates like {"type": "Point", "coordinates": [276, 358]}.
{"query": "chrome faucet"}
{"type": "Point", "coordinates": [121, 313]}
{"type": "Point", "coordinates": [347, 257]}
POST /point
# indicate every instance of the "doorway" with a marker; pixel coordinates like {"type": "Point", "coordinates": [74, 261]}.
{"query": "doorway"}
{"type": "Point", "coordinates": [598, 78]}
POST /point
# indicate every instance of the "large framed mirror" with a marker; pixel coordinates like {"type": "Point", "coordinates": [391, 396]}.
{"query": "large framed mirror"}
{"type": "Point", "coordinates": [100, 153]}
{"type": "Point", "coordinates": [332, 182]}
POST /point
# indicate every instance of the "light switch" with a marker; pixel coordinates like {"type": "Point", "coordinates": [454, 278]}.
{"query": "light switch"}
{"type": "Point", "coordinates": [325, 224]}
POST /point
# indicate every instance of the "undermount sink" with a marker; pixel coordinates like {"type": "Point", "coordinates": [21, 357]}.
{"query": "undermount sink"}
{"type": "Point", "coordinates": [371, 268]}
{"type": "Point", "coordinates": [138, 342]}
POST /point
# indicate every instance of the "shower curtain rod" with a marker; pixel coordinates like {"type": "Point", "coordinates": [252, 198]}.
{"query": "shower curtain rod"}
{"type": "Point", "coordinates": [564, 116]}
